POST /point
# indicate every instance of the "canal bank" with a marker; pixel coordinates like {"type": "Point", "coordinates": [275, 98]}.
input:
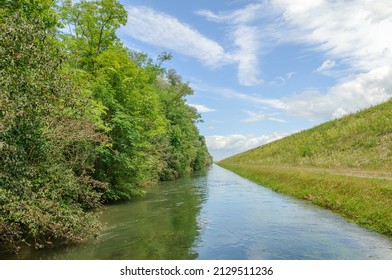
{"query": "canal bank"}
{"type": "Point", "coordinates": [362, 198]}
{"type": "Point", "coordinates": [220, 215]}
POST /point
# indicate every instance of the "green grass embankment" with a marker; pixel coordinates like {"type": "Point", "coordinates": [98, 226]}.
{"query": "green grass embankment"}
{"type": "Point", "coordinates": [365, 201]}
{"type": "Point", "coordinates": [344, 165]}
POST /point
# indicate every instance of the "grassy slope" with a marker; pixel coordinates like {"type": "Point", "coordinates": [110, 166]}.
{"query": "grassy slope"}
{"type": "Point", "coordinates": [344, 165]}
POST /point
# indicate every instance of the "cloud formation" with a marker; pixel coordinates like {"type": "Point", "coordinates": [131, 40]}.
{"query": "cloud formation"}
{"type": "Point", "coordinates": [351, 31]}
{"type": "Point", "coordinates": [346, 97]}
{"type": "Point", "coordinates": [326, 65]}
{"type": "Point", "coordinates": [226, 145]}
{"type": "Point", "coordinates": [245, 36]}
{"type": "Point", "coordinates": [260, 116]}
{"type": "Point", "coordinates": [156, 28]}
{"type": "Point", "coordinates": [160, 29]}
{"type": "Point", "coordinates": [202, 108]}
{"type": "Point", "coordinates": [364, 90]}
{"type": "Point", "coordinates": [350, 35]}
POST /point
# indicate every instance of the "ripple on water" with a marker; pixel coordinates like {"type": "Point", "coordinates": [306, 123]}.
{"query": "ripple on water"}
{"type": "Point", "coordinates": [219, 215]}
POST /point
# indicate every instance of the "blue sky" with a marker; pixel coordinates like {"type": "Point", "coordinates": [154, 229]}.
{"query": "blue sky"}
{"type": "Point", "coordinates": [262, 70]}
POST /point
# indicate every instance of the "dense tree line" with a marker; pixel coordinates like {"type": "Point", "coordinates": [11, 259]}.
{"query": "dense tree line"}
{"type": "Point", "coordinates": [83, 120]}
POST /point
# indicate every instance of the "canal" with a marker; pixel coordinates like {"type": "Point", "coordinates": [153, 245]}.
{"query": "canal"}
{"type": "Point", "coordinates": [218, 215]}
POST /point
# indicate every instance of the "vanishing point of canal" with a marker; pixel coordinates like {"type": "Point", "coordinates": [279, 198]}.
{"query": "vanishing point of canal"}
{"type": "Point", "coordinates": [218, 215]}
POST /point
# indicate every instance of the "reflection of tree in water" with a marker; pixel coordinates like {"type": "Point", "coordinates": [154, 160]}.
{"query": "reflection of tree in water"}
{"type": "Point", "coordinates": [163, 225]}
{"type": "Point", "coordinates": [175, 227]}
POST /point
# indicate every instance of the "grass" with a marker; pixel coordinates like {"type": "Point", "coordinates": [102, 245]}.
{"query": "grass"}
{"type": "Point", "coordinates": [344, 165]}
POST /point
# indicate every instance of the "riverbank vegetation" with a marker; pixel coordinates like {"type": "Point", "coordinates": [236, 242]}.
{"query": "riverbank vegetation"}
{"type": "Point", "coordinates": [83, 120]}
{"type": "Point", "coordinates": [344, 165]}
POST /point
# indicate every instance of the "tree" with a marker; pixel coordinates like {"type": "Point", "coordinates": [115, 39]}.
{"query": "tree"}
{"type": "Point", "coordinates": [35, 10]}
{"type": "Point", "coordinates": [82, 120]}
{"type": "Point", "coordinates": [44, 184]}
{"type": "Point", "coordinates": [136, 122]}
{"type": "Point", "coordinates": [92, 28]}
{"type": "Point", "coordinates": [185, 150]}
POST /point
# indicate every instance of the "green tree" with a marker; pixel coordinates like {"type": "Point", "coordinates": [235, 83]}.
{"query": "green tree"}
{"type": "Point", "coordinates": [130, 113]}
{"type": "Point", "coordinates": [136, 123]}
{"type": "Point", "coordinates": [82, 120]}
{"type": "Point", "coordinates": [36, 10]}
{"type": "Point", "coordinates": [45, 149]}
{"type": "Point", "coordinates": [185, 150]}
{"type": "Point", "coordinates": [91, 28]}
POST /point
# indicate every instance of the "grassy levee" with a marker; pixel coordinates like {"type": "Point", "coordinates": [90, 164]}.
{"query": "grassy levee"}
{"type": "Point", "coordinates": [344, 165]}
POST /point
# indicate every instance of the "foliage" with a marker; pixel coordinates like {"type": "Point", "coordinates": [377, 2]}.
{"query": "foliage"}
{"type": "Point", "coordinates": [91, 28]}
{"type": "Point", "coordinates": [134, 117]}
{"type": "Point", "coordinates": [152, 130]}
{"type": "Point", "coordinates": [44, 181]}
{"type": "Point", "coordinates": [185, 150]}
{"type": "Point", "coordinates": [83, 120]}
{"type": "Point", "coordinates": [40, 11]}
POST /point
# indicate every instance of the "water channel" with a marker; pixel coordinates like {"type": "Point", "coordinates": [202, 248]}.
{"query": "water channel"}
{"type": "Point", "coordinates": [218, 215]}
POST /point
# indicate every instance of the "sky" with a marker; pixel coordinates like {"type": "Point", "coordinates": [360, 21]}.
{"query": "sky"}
{"type": "Point", "coordinates": [262, 70]}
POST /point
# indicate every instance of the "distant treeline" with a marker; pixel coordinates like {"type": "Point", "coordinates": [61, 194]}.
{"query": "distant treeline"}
{"type": "Point", "coordinates": [83, 120]}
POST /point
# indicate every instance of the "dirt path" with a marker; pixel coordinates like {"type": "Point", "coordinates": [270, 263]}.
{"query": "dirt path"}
{"type": "Point", "coordinates": [348, 172]}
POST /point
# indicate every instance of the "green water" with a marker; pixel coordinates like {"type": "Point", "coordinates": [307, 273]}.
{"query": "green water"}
{"type": "Point", "coordinates": [219, 215]}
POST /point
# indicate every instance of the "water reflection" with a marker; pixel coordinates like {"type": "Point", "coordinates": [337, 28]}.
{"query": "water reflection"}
{"type": "Point", "coordinates": [162, 225]}
{"type": "Point", "coordinates": [219, 215]}
{"type": "Point", "coordinates": [247, 221]}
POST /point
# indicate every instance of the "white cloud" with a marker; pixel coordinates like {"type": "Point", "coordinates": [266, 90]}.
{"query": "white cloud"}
{"type": "Point", "coordinates": [339, 112]}
{"type": "Point", "coordinates": [150, 26]}
{"type": "Point", "coordinates": [240, 96]}
{"type": "Point", "coordinates": [226, 145]}
{"type": "Point", "coordinates": [281, 80]}
{"type": "Point", "coordinates": [247, 14]}
{"type": "Point", "coordinates": [252, 99]}
{"type": "Point", "coordinates": [353, 31]}
{"type": "Point", "coordinates": [363, 91]}
{"type": "Point", "coordinates": [346, 97]}
{"type": "Point", "coordinates": [351, 95]}
{"type": "Point", "coordinates": [352, 34]}
{"type": "Point", "coordinates": [260, 116]}
{"type": "Point", "coordinates": [246, 36]}
{"type": "Point", "coordinates": [326, 65]}
{"type": "Point", "coordinates": [202, 108]}
{"type": "Point", "coordinates": [290, 75]}
{"type": "Point", "coordinates": [153, 27]}
{"type": "Point", "coordinates": [209, 15]}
